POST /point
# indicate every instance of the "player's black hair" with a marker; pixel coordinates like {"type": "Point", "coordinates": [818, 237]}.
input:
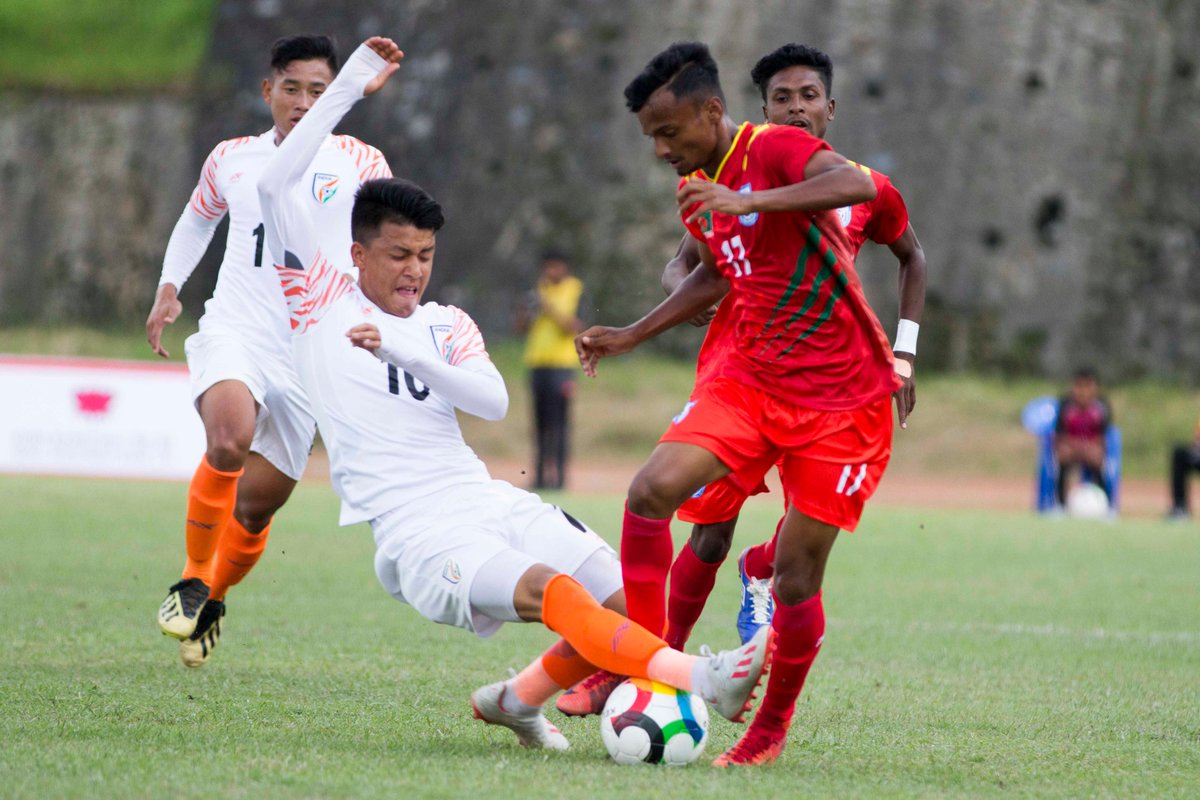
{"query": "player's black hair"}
{"type": "Point", "coordinates": [305, 47]}
{"type": "Point", "coordinates": [1086, 374]}
{"type": "Point", "coordinates": [793, 55]}
{"type": "Point", "coordinates": [392, 200]}
{"type": "Point", "coordinates": [555, 255]}
{"type": "Point", "coordinates": [687, 68]}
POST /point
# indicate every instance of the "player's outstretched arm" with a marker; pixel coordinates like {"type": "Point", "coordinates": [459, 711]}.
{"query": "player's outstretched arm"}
{"type": "Point", "coordinates": [909, 253]}
{"type": "Point", "coordinates": [475, 385]}
{"type": "Point", "coordinates": [287, 229]}
{"type": "Point", "coordinates": [700, 290]}
{"type": "Point", "coordinates": [829, 181]}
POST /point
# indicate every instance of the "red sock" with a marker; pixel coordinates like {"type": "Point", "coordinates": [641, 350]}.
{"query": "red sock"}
{"type": "Point", "coordinates": [691, 583]}
{"type": "Point", "coordinates": [799, 630]}
{"type": "Point", "coordinates": [646, 551]}
{"type": "Point", "coordinates": [760, 559]}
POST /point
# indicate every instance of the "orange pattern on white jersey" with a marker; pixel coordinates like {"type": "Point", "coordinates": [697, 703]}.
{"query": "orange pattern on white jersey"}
{"type": "Point", "coordinates": [206, 198]}
{"type": "Point", "coordinates": [465, 342]}
{"type": "Point", "coordinates": [370, 162]}
{"type": "Point", "coordinates": [310, 292]}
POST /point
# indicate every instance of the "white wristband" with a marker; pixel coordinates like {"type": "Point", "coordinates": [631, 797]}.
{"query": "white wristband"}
{"type": "Point", "coordinates": [906, 337]}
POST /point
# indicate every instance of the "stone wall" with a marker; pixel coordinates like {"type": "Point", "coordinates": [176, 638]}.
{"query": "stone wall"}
{"type": "Point", "coordinates": [91, 189]}
{"type": "Point", "coordinates": [1046, 149]}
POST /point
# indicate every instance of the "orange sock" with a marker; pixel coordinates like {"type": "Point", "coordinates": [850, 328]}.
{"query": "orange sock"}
{"type": "Point", "coordinates": [237, 553]}
{"type": "Point", "coordinates": [210, 506]}
{"type": "Point", "coordinates": [601, 636]}
{"type": "Point", "coordinates": [560, 667]}
{"type": "Point", "coordinates": [565, 666]}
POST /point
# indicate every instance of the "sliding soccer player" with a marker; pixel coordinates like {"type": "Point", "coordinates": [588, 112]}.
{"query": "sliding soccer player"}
{"type": "Point", "coordinates": [385, 373]}
{"type": "Point", "coordinates": [257, 421]}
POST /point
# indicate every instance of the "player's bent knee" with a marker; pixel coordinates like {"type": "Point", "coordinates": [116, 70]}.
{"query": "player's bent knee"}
{"type": "Point", "coordinates": [531, 591]}
{"type": "Point", "coordinates": [655, 495]}
{"type": "Point", "coordinates": [795, 586]}
{"type": "Point", "coordinates": [254, 518]}
{"type": "Point", "coordinates": [228, 445]}
{"type": "Point", "coordinates": [711, 543]}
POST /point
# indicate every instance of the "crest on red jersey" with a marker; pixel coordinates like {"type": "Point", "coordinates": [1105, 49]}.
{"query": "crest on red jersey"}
{"type": "Point", "coordinates": [752, 217]}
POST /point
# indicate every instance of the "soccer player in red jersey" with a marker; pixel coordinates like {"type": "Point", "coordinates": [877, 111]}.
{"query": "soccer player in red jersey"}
{"type": "Point", "coordinates": [796, 85]}
{"type": "Point", "coordinates": [807, 382]}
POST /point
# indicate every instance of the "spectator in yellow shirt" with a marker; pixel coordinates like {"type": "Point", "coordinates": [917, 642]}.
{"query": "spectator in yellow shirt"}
{"type": "Point", "coordinates": [550, 356]}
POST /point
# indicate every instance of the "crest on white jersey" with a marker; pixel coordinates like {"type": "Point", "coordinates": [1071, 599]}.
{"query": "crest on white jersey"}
{"type": "Point", "coordinates": [452, 572]}
{"type": "Point", "coordinates": [324, 187]}
{"type": "Point", "coordinates": [844, 216]}
{"type": "Point", "coordinates": [441, 339]}
{"type": "Point", "coordinates": [747, 219]}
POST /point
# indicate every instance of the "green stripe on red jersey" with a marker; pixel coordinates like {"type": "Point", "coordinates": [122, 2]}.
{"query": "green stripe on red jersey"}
{"type": "Point", "coordinates": [840, 284]}
{"type": "Point", "coordinates": [811, 243]}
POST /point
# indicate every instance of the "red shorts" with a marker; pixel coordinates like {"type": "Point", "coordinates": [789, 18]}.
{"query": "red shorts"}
{"type": "Point", "coordinates": [718, 501]}
{"type": "Point", "coordinates": [829, 461]}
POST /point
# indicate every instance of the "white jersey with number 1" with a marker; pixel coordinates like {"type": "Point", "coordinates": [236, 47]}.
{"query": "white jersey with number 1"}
{"type": "Point", "coordinates": [247, 298]}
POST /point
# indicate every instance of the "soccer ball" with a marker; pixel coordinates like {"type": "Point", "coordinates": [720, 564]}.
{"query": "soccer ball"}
{"type": "Point", "coordinates": [645, 722]}
{"type": "Point", "coordinates": [1087, 501]}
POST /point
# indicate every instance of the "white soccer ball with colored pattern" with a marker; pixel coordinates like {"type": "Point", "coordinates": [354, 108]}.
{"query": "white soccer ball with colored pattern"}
{"type": "Point", "coordinates": [645, 722]}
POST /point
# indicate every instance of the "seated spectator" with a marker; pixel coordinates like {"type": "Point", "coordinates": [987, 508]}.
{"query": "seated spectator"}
{"type": "Point", "coordinates": [1184, 459]}
{"type": "Point", "coordinates": [1083, 419]}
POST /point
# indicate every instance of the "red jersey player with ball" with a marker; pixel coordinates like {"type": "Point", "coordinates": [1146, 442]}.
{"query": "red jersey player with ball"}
{"type": "Point", "coordinates": [808, 381]}
{"type": "Point", "coordinates": [795, 81]}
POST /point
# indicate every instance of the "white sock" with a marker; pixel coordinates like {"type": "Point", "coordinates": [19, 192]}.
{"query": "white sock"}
{"type": "Point", "coordinates": [701, 685]}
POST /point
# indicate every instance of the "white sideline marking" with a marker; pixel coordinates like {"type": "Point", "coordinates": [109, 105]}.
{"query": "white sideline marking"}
{"type": "Point", "coordinates": [1058, 631]}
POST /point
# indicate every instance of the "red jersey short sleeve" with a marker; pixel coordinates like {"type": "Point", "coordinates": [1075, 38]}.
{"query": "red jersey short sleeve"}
{"type": "Point", "coordinates": [786, 150]}
{"type": "Point", "coordinates": [881, 220]}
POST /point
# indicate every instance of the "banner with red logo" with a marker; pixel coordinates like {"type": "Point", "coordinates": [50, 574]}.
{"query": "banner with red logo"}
{"type": "Point", "coordinates": [74, 416]}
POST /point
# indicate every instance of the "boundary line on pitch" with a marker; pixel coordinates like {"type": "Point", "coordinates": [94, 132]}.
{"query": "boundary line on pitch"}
{"type": "Point", "coordinates": [1049, 631]}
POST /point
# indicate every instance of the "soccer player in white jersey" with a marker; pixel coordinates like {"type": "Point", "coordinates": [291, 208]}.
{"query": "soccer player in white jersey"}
{"type": "Point", "coordinates": [385, 373]}
{"type": "Point", "coordinates": [257, 421]}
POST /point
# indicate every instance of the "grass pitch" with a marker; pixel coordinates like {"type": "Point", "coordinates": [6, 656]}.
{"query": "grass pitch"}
{"type": "Point", "coordinates": [979, 655]}
{"type": "Point", "coordinates": [102, 45]}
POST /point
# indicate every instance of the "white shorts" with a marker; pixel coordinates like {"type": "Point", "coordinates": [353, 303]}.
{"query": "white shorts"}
{"type": "Point", "coordinates": [285, 428]}
{"type": "Point", "coordinates": [431, 558]}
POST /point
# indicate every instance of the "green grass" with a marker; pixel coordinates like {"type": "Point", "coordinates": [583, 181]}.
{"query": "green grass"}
{"type": "Point", "coordinates": [967, 654]}
{"type": "Point", "coordinates": [102, 45]}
